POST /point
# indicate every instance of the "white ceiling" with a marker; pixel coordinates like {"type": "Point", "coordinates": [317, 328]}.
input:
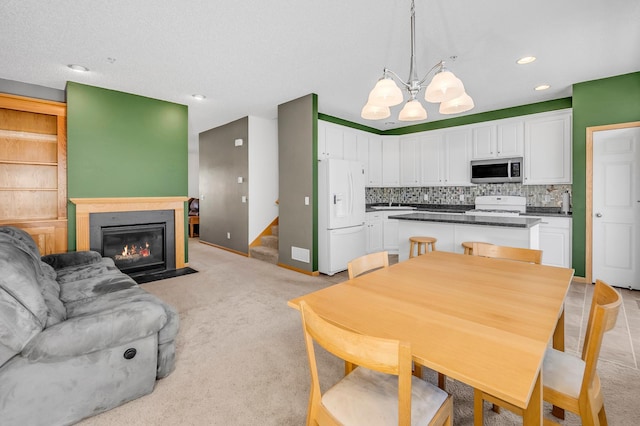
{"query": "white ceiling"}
{"type": "Point", "coordinates": [248, 56]}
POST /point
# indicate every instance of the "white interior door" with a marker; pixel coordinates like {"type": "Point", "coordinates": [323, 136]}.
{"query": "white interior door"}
{"type": "Point", "coordinates": [616, 207]}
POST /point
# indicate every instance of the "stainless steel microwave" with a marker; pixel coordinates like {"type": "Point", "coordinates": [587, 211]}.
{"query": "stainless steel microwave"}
{"type": "Point", "coordinates": [497, 170]}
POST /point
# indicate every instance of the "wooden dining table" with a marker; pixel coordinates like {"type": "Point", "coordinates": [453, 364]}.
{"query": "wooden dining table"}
{"type": "Point", "coordinates": [482, 321]}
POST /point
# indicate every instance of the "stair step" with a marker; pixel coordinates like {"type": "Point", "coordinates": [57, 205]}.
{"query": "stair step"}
{"type": "Point", "coordinates": [274, 230]}
{"type": "Point", "coordinates": [270, 241]}
{"type": "Point", "coordinates": [267, 254]}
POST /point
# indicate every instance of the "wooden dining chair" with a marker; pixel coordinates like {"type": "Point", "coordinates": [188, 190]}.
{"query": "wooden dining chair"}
{"type": "Point", "coordinates": [505, 252]}
{"type": "Point", "coordinates": [570, 382]}
{"type": "Point", "coordinates": [380, 391]}
{"type": "Point", "coordinates": [367, 263]}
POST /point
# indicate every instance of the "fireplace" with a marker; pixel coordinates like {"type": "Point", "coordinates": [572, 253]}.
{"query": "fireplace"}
{"type": "Point", "coordinates": [88, 209]}
{"type": "Point", "coordinates": [139, 242]}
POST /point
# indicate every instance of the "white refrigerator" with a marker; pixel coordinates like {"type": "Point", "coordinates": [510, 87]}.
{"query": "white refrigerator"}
{"type": "Point", "coordinates": [341, 214]}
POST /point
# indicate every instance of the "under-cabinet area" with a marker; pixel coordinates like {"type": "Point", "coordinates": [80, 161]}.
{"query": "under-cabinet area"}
{"type": "Point", "coordinates": [33, 178]}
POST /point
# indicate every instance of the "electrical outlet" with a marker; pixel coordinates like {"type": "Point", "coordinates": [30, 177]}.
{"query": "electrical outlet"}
{"type": "Point", "coordinates": [461, 197]}
{"type": "Point", "coordinates": [306, 201]}
{"type": "Point", "coordinates": [228, 235]}
{"type": "Point", "coordinates": [425, 197]}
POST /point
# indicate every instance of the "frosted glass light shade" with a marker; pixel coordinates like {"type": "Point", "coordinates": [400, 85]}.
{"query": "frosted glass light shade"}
{"type": "Point", "coordinates": [460, 104]}
{"type": "Point", "coordinates": [385, 93]}
{"type": "Point", "coordinates": [413, 111]}
{"type": "Point", "coordinates": [444, 87]}
{"type": "Point", "coordinates": [375, 112]}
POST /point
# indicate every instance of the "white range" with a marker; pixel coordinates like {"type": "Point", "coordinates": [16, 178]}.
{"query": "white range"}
{"type": "Point", "coordinates": [499, 205]}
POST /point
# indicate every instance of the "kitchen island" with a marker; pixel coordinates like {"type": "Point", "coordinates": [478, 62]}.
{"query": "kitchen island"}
{"type": "Point", "coordinates": [452, 230]}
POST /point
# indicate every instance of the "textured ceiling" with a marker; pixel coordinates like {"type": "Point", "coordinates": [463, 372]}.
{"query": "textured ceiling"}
{"type": "Point", "coordinates": [248, 56]}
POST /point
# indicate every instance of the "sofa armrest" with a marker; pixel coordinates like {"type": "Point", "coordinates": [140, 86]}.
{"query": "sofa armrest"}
{"type": "Point", "coordinates": [72, 258]}
{"type": "Point", "coordinates": [90, 333]}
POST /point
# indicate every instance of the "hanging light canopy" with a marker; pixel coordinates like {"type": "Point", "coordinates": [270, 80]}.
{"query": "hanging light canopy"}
{"type": "Point", "coordinates": [445, 88]}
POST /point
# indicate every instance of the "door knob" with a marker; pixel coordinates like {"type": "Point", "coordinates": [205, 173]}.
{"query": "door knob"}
{"type": "Point", "coordinates": [598, 214]}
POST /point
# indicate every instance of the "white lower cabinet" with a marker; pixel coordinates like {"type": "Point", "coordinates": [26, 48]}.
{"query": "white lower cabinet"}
{"type": "Point", "coordinates": [390, 230]}
{"type": "Point", "coordinates": [374, 231]}
{"type": "Point", "coordinates": [555, 241]}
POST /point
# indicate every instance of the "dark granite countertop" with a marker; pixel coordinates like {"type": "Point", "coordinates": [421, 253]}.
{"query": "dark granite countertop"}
{"type": "Point", "coordinates": [513, 222]}
{"type": "Point", "coordinates": [454, 208]}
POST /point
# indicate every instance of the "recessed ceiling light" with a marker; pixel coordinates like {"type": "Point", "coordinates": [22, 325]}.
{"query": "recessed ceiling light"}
{"type": "Point", "coordinates": [199, 97]}
{"type": "Point", "coordinates": [78, 68]}
{"type": "Point", "coordinates": [526, 60]}
{"type": "Point", "coordinates": [542, 87]}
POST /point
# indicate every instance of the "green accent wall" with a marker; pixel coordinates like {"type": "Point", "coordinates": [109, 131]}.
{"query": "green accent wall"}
{"type": "Point", "coordinates": [124, 145]}
{"type": "Point", "coordinates": [599, 102]}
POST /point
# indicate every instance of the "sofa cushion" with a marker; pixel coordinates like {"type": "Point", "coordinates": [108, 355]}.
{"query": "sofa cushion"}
{"type": "Point", "coordinates": [72, 258]}
{"type": "Point", "coordinates": [44, 274]}
{"type": "Point", "coordinates": [88, 270]}
{"type": "Point", "coordinates": [23, 312]}
{"type": "Point", "coordinates": [94, 286]}
{"type": "Point", "coordinates": [22, 238]}
{"type": "Point", "coordinates": [85, 334]}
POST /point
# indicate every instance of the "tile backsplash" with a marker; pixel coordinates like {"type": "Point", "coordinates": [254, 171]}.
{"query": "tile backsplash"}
{"type": "Point", "coordinates": [537, 195]}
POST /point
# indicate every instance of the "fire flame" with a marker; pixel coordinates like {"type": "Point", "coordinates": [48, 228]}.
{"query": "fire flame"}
{"type": "Point", "coordinates": [134, 250]}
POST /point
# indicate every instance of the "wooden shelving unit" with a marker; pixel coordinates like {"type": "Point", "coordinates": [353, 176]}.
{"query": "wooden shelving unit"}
{"type": "Point", "coordinates": [33, 169]}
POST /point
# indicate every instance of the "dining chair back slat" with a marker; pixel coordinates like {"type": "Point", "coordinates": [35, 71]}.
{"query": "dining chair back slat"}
{"type": "Point", "coordinates": [368, 263]}
{"type": "Point", "coordinates": [505, 252]}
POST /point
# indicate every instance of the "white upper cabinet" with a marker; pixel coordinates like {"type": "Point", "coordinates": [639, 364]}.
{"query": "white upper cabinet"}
{"type": "Point", "coordinates": [547, 143]}
{"type": "Point", "coordinates": [457, 168]}
{"type": "Point", "coordinates": [497, 139]}
{"type": "Point", "coordinates": [330, 140]}
{"type": "Point", "coordinates": [432, 159]}
{"type": "Point", "coordinates": [410, 161]}
{"type": "Point", "coordinates": [362, 142]}
{"type": "Point", "coordinates": [444, 158]}
{"type": "Point", "coordinates": [391, 161]}
{"type": "Point", "coordinates": [350, 145]}
{"type": "Point", "coordinates": [375, 161]}
{"type": "Point", "coordinates": [510, 140]}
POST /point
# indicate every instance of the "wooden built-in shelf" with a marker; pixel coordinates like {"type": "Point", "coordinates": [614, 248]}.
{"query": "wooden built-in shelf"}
{"type": "Point", "coordinates": [33, 169]}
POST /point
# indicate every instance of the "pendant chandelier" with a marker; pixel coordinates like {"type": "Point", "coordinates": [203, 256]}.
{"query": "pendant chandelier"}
{"type": "Point", "coordinates": [445, 88]}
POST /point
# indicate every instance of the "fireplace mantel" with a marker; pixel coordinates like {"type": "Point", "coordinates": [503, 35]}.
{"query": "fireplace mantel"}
{"type": "Point", "coordinates": [86, 206]}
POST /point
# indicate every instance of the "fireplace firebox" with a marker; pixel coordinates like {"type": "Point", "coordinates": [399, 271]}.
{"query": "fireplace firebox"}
{"type": "Point", "coordinates": [139, 242]}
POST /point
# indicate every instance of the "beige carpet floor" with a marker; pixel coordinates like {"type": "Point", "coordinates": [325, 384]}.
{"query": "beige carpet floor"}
{"type": "Point", "coordinates": [241, 359]}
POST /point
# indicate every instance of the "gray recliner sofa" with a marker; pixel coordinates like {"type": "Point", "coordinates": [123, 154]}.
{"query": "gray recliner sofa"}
{"type": "Point", "coordinates": [77, 336]}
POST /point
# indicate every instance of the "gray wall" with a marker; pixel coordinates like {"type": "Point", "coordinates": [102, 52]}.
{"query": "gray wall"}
{"type": "Point", "coordinates": [221, 208]}
{"type": "Point", "coordinates": [297, 148]}
{"type": "Point", "coordinates": [31, 90]}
